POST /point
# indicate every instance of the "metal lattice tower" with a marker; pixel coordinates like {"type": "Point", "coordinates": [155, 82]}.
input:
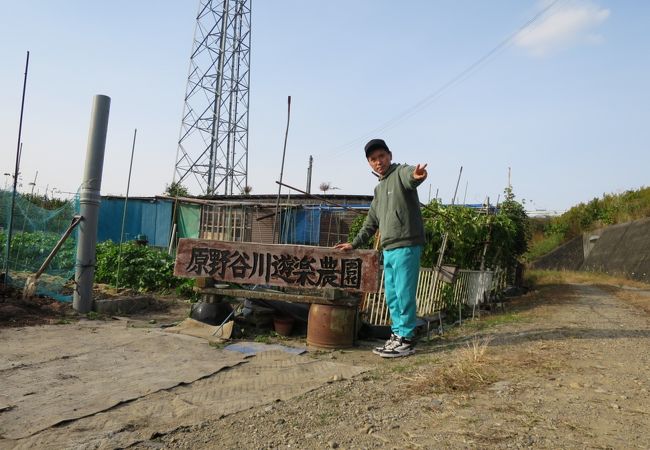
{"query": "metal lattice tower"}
{"type": "Point", "coordinates": [212, 154]}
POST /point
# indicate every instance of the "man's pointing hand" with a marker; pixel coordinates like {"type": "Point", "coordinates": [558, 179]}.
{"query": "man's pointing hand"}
{"type": "Point", "coordinates": [420, 172]}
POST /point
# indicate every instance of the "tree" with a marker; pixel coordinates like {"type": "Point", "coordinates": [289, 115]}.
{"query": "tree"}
{"type": "Point", "coordinates": [520, 234]}
{"type": "Point", "coordinates": [176, 189]}
{"type": "Point", "coordinates": [326, 186]}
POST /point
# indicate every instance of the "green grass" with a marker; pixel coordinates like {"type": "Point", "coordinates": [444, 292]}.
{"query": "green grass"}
{"type": "Point", "coordinates": [263, 338]}
{"type": "Point", "coordinates": [400, 368]}
{"type": "Point", "coordinates": [325, 417]}
{"type": "Point", "coordinates": [494, 321]}
{"type": "Point", "coordinates": [543, 246]}
{"type": "Point", "coordinates": [63, 322]}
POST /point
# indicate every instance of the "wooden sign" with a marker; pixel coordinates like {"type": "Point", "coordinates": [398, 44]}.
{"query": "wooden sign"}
{"type": "Point", "coordinates": [278, 265]}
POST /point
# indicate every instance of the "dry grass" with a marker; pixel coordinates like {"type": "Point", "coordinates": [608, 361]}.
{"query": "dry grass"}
{"type": "Point", "coordinates": [540, 357]}
{"type": "Point", "coordinates": [610, 283]}
{"type": "Point", "coordinates": [469, 370]}
{"type": "Point", "coordinates": [547, 277]}
{"type": "Point", "coordinates": [638, 299]}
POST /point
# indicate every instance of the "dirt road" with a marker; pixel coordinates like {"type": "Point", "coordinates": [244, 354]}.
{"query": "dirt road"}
{"type": "Point", "coordinates": [564, 367]}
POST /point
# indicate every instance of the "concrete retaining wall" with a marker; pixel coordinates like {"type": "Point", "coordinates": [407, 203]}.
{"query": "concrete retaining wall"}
{"type": "Point", "coordinates": [622, 249]}
{"type": "Point", "coordinates": [568, 256]}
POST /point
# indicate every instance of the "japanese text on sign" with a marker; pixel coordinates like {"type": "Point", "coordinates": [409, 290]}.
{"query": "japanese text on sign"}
{"type": "Point", "coordinates": [278, 265]}
{"type": "Point", "coordinates": [305, 271]}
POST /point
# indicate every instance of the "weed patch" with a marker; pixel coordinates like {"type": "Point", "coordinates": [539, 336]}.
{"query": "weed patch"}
{"type": "Point", "coordinates": [92, 315]}
{"type": "Point", "coordinates": [494, 321]}
{"type": "Point", "coordinates": [263, 338]}
{"type": "Point", "coordinates": [538, 278]}
{"type": "Point", "coordinates": [269, 338]}
{"type": "Point", "coordinates": [469, 370]}
{"type": "Point", "coordinates": [63, 322]}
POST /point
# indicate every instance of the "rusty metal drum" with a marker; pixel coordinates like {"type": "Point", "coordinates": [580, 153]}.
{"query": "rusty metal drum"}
{"type": "Point", "coordinates": [331, 326]}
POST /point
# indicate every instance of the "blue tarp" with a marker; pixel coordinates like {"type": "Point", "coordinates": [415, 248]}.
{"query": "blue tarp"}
{"type": "Point", "coordinates": [151, 217]}
{"type": "Point", "coordinates": [301, 226]}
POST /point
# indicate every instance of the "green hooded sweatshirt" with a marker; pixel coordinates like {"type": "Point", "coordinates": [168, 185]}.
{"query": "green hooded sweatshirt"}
{"type": "Point", "coordinates": [395, 210]}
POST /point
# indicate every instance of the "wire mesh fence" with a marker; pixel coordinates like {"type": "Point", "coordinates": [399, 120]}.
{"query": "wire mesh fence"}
{"type": "Point", "coordinates": [37, 226]}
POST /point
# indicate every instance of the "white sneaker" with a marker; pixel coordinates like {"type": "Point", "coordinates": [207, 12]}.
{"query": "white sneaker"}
{"type": "Point", "coordinates": [392, 341]}
{"type": "Point", "coordinates": [400, 347]}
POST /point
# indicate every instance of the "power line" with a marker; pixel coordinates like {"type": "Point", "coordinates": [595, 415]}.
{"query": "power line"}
{"type": "Point", "coordinates": [429, 99]}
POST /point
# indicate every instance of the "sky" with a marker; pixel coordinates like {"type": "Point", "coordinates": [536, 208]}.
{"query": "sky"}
{"type": "Point", "coordinates": [561, 105]}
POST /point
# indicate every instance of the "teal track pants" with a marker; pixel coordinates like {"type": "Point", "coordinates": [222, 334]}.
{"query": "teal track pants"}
{"type": "Point", "coordinates": [401, 271]}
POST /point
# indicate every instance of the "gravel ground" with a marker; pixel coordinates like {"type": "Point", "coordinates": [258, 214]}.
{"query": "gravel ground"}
{"type": "Point", "coordinates": [563, 367]}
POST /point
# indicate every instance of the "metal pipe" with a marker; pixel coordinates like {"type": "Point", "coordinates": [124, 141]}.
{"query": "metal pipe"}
{"type": "Point", "coordinates": [487, 238]}
{"type": "Point", "coordinates": [214, 144]}
{"type": "Point", "coordinates": [16, 171]}
{"type": "Point", "coordinates": [126, 200]}
{"type": "Point", "coordinates": [234, 95]}
{"type": "Point", "coordinates": [347, 208]}
{"type": "Point", "coordinates": [309, 169]}
{"type": "Point", "coordinates": [284, 152]}
{"type": "Point", "coordinates": [453, 200]}
{"type": "Point", "coordinates": [89, 199]}
{"type": "Point", "coordinates": [248, 83]}
{"type": "Point", "coordinates": [59, 244]}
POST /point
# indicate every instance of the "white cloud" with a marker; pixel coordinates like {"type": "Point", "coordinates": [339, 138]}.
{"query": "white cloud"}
{"type": "Point", "coordinates": [563, 27]}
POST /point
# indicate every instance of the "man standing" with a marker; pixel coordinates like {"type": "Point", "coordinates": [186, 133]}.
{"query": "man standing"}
{"type": "Point", "coordinates": [395, 211]}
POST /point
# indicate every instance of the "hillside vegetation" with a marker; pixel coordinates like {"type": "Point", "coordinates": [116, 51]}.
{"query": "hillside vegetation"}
{"type": "Point", "coordinates": [549, 233]}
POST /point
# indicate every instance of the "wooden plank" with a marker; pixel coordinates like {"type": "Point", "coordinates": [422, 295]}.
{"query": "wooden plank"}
{"type": "Point", "coordinates": [298, 266]}
{"type": "Point", "coordinates": [281, 296]}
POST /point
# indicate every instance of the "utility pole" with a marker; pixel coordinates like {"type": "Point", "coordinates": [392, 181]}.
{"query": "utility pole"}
{"type": "Point", "coordinates": [89, 198]}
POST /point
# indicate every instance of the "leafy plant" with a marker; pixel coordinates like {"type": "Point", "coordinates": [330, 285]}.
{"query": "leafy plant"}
{"type": "Point", "coordinates": [141, 268]}
{"type": "Point", "coordinates": [29, 250]}
{"type": "Point", "coordinates": [92, 315]}
{"type": "Point", "coordinates": [470, 232]}
{"type": "Point", "coordinates": [355, 226]}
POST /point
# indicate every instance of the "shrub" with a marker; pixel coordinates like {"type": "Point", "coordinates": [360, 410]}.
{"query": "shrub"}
{"type": "Point", "coordinates": [468, 231]}
{"type": "Point", "coordinates": [142, 268]}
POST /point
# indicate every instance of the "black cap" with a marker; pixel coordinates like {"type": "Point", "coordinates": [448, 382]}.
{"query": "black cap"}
{"type": "Point", "coordinates": [374, 144]}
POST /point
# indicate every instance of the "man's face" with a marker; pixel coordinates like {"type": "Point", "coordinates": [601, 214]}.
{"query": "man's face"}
{"type": "Point", "coordinates": [379, 160]}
